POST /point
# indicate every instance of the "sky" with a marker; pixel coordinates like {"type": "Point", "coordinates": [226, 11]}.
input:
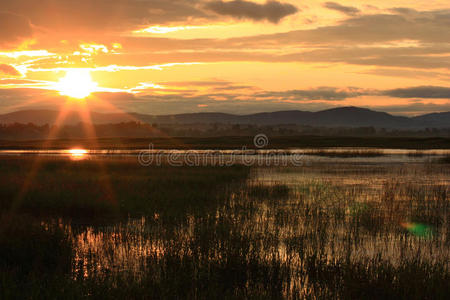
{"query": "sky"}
{"type": "Point", "coordinates": [239, 56]}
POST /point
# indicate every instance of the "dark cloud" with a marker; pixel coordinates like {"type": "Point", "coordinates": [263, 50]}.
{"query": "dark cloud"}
{"type": "Point", "coordinates": [81, 16]}
{"type": "Point", "coordinates": [233, 102]}
{"type": "Point", "coordinates": [338, 94]}
{"type": "Point", "coordinates": [413, 109]}
{"type": "Point", "coordinates": [8, 70]}
{"type": "Point", "coordinates": [424, 26]}
{"type": "Point", "coordinates": [348, 10]}
{"type": "Point", "coordinates": [429, 92]}
{"type": "Point", "coordinates": [330, 44]}
{"type": "Point", "coordinates": [170, 104]}
{"type": "Point", "coordinates": [13, 28]}
{"type": "Point", "coordinates": [98, 15]}
{"type": "Point", "coordinates": [234, 87]}
{"type": "Point", "coordinates": [403, 10]}
{"type": "Point", "coordinates": [272, 11]}
{"type": "Point", "coordinates": [321, 93]}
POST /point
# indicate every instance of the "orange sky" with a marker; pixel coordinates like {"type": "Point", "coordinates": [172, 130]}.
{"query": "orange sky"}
{"type": "Point", "coordinates": [164, 57]}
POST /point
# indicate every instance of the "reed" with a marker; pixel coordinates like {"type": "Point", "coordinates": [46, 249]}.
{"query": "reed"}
{"type": "Point", "coordinates": [211, 232]}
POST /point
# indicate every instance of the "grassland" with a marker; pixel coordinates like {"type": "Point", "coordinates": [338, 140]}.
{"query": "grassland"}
{"type": "Point", "coordinates": [446, 159]}
{"type": "Point", "coordinates": [112, 229]}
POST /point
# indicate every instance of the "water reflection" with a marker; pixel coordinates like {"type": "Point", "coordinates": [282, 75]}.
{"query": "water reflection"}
{"type": "Point", "coordinates": [354, 216]}
{"type": "Point", "coordinates": [347, 152]}
{"type": "Point", "coordinates": [77, 154]}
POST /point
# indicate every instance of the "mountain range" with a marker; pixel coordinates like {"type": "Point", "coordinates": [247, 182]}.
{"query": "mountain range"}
{"type": "Point", "coordinates": [337, 117]}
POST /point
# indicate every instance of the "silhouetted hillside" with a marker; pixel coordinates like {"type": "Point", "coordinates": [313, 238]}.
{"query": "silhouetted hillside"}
{"type": "Point", "coordinates": [337, 117]}
{"type": "Point", "coordinates": [434, 120]}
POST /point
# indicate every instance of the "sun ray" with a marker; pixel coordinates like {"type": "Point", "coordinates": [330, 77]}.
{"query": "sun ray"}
{"type": "Point", "coordinates": [38, 160]}
{"type": "Point", "coordinates": [91, 135]}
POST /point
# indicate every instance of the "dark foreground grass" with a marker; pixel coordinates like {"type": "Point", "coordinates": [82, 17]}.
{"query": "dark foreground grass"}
{"type": "Point", "coordinates": [445, 159]}
{"type": "Point", "coordinates": [211, 233]}
{"type": "Point", "coordinates": [100, 189]}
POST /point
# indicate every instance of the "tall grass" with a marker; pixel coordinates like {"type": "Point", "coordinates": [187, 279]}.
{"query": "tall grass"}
{"type": "Point", "coordinates": [94, 189]}
{"type": "Point", "coordinates": [202, 233]}
{"type": "Point", "coordinates": [445, 159]}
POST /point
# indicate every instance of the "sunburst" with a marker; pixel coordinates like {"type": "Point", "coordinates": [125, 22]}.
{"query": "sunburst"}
{"type": "Point", "coordinates": [77, 84]}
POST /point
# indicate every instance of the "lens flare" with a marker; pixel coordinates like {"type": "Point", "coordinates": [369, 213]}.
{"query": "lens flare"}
{"type": "Point", "coordinates": [418, 229]}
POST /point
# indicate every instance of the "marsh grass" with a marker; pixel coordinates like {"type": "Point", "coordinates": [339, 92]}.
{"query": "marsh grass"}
{"type": "Point", "coordinates": [34, 240]}
{"type": "Point", "coordinates": [348, 153]}
{"type": "Point", "coordinates": [32, 254]}
{"type": "Point", "coordinates": [417, 153]}
{"type": "Point", "coordinates": [95, 189]}
{"type": "Point", "coordinates": [208, 232]}
{"type": "Point", "coordinates": [445, 159]}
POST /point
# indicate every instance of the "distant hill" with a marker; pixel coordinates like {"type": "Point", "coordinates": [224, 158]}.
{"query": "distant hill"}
{"type": "Point", "coordinates": [434, 120]}
{"type": "Point", "coordinates": [337, 117]}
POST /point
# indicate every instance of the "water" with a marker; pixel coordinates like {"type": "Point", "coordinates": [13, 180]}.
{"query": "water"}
{"type": "Point", "coordinates": [350, 213]}
{"type": "Point", "coordinates": [352, 154]}
{"type": "Point", "coordinates": [305, 231]}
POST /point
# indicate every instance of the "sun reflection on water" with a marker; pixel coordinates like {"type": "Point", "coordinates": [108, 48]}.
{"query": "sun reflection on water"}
{"type": "Point", "coordinates": [77, 154]}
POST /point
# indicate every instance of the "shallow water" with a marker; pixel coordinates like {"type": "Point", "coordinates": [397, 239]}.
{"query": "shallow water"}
{"type": "Point", "coordinates": [352, 212]}
{"type": "Point", "coordinates": [261, 157]}
{"type": "Point", "coordinates": [304, 231]}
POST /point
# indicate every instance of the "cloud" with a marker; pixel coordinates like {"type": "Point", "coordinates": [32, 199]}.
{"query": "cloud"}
{"type": "Point", "coordinates": [76, 18]}
{"type": "Point", "coordinates": [338, 94]}
{"type": "Point", "coordinates": [218, 85]}
{"type": "Point", "coordinates": [421, 57]}
{"type": "Point", "coordinates": [14, 28]}
{"type": "Point", "coordinates": [400, 39]}
{"type": "Point", "coordinates": [238, 102]}
{"type": "Point", "coordinates": [272, 11]}
{"type": "Point", "coordinates": [9, 70]}
{"type": "Point", "coordinates": [320, 93]}
{"type": "Point", "coordinates": [407, 73]}
{"type": "Point", "coordinates": [234, 87]}
{"type": "Point", "coordinates": [428, 92]}
{"type": "Point", "coordinates": [425, 28]}
{"type": "Point", "coordinates": [101, 15]}
{"type": "Point", "coordinates": [348, 10]}
{"type": "Point", "coordinates": [173, 104]}
{"type": "Point", "coordinates": [330, 94]}
{"type": "Point", "coordinates": [210, 83]}
{"type": "Point", "coordinates": [368, 40]}
{"type": "Point", "coordinates": [422, 26]}
{"type": "Point", "coordinates": [413, 109]}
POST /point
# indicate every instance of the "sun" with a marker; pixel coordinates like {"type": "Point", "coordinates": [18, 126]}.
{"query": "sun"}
{"type": "Point", "coordinates": [77, 84]}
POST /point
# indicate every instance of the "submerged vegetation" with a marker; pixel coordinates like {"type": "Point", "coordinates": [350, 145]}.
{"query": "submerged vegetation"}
{"type": "Point", "coordinates": [108, 228]}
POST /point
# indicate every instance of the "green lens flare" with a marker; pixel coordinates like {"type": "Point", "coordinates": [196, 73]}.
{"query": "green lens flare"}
{"type": "Point", "coordinates": [418, 229]}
